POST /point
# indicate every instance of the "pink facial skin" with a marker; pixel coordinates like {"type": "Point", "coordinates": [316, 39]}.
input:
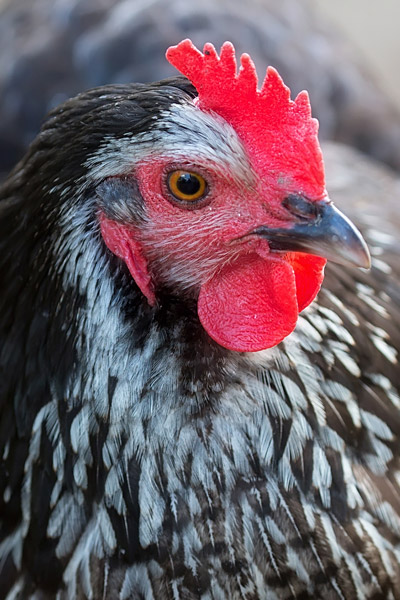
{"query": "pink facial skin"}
{"type": "Point", "coordinates": [248, 297]}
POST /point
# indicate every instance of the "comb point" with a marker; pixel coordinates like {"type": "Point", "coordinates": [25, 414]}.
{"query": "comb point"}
{"type": "Point", "coordinates": [302, 104]}
{"type": "Point", "coordinates": [247, 76]}
{"type": "Point", "coordinates": [183, 46]}
{"type": "Point", "coordinates": [273, 84]}
{"type": "Point", "coordinates": [228, 59]}
{"type": "Point", "coordinates": [210, 53]}
{"type": "Point", "coordinates": [227, 49]}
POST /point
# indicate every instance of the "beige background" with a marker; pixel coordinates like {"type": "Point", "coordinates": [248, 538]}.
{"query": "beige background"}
{"type": "Point", "coordinates": [374, 27]}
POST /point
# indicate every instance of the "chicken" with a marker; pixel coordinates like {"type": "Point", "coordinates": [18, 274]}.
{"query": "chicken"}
{"type": "Point", "coordinates": [171, 426]}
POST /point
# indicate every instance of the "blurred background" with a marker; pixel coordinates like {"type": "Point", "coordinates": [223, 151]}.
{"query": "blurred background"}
{"type": "Point", "coordinates": [346, 54]}
{"type": "Point", "coordinates": [373, 30]}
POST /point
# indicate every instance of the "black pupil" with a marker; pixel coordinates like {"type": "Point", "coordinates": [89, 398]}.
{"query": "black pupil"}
{"type": "Point", "coordinates": [188, 184]}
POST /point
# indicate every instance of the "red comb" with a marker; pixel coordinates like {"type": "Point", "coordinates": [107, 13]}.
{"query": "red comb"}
{"type": "Point", "coordinates": [279, 133]}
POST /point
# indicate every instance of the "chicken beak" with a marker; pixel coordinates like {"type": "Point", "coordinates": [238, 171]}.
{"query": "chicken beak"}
{"type": "Point", "coordinates": [327, 233]}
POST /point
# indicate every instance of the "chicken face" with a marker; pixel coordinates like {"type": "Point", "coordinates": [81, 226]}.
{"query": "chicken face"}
{"type": "Point", "coordinates": [237, 220]}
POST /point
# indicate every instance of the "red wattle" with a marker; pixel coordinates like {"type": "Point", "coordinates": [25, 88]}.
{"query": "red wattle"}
{"type": "Point", "coordinates": [309, 273]}
{"type": "Point", "coordinates": [250, 305]}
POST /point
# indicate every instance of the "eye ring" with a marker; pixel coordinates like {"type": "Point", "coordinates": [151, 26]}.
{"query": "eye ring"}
{"type": "Point", "coordinates": [188, 187]}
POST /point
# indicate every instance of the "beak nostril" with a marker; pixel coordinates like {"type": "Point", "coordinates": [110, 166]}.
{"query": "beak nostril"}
{"type": "Point", "coordinates": [301, 207]}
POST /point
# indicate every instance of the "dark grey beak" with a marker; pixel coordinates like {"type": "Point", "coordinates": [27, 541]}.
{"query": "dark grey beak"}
{"type": "Point", "coordinates": [320, 229]}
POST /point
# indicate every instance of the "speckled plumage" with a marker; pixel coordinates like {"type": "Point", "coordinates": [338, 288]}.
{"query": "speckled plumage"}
{"type": "Point", "coordinates": [140, 459]}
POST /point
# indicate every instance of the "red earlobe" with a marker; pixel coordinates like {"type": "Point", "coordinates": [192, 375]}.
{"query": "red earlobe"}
{"type": "Point", "coordinates": [120, 239]}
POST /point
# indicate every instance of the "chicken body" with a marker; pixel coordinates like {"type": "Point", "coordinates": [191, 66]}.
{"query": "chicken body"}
{"type": "Point", "coordinates": [141, 459]}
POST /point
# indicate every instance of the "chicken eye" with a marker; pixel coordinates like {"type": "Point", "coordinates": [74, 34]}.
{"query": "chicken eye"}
{"type": "Point", "coordinates": [186, 185]}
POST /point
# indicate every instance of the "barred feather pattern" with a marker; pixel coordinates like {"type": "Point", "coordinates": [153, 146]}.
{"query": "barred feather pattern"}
{"type": "Point", "coordinates": [279, 480]}
{"type": "Point", "coordinates": [159, 465]}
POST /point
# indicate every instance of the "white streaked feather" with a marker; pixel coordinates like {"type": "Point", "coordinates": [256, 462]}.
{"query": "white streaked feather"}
{"type": "Point", "coordinates": [321, 475]}
{"type": "Point", "coordinates": [376, 425]}
{"type": "Point", "coordinates": [387, 350]}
